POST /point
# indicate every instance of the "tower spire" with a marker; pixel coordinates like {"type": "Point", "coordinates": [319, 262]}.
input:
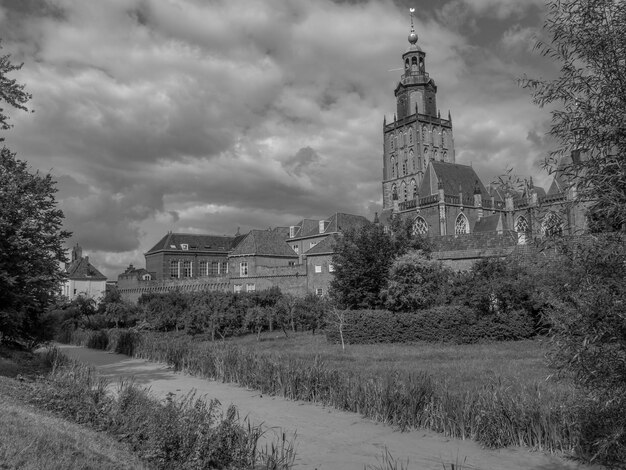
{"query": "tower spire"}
{"type": "Point", "coordinates": [412, 34]}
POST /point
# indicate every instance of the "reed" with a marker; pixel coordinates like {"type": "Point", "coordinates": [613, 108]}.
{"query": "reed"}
{"type": "Point", "coordinates": [499, 413]}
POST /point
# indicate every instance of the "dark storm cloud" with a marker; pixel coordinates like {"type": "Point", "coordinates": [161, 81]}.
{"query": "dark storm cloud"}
{"type": "Point", "coordinates": [208, 116]}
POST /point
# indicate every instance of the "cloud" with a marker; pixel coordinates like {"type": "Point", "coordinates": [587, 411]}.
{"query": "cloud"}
{"type": "Point", "coordinates": [208, 116]}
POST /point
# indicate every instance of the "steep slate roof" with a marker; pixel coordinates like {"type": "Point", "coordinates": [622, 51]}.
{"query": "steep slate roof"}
{"type": "Point", "coordinates": [340, 222]}
{"type": "Point", "coordinates": [561, 181]}
{"type": "Point", "coordinates": [306, 227]}
{"type": "Point", "coordinates": [265, 243]}
{"type": "Point", "coordinates": [453, 176]}
{"type": "Point", "coordinates": [82, 269]}
{"type": "Point", "coordinates": [196, 242]}
{"type": "Point", "coordinates": [325, 247]}
{"type": "Point", "coordinates": [491, 223]}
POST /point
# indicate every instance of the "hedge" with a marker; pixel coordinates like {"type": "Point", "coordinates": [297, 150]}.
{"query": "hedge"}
{"type": "Point", "coordinates": [450, 323]}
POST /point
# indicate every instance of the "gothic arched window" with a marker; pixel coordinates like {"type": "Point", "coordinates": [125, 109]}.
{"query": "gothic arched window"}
{"type": "Point", "coordinates": [522, 228]}
{"type": "Point", "coordinates": [413, 189]}
{"type": "Point", "coordinates": [404, 168]}
{"type": "Point", "coordinates": [445, 156]}
{"type": "Point", "coordinates": [410, 135]}
{"type": "Point", "coordinates": [404, 191]}
{"type": "Point", "coordinates": [461, 225]}
{"type": "Point", "coordinates": [393, 167]}
{"type": "Point", "coordinates": [552, 226]}
{"type": "Point", "coordinates": [394, 192]}
{"type": "Point", "coordinates": [423, 133]}
{"type": "Point", "coordinates": [426, 153]}
{"type": "Point", "coordinates": [444, 139]}
{"type": "Point", "coordinates": [420, 226]}
{"type": "Point", "coordinates": [391, 141]}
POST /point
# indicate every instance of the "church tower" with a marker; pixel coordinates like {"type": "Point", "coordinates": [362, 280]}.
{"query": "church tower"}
{"type": "Point", "coordinates": [417, 134]}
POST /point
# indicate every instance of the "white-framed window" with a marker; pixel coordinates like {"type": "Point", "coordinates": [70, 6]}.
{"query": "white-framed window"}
{"type": "Point", "coordinates": [318, 268]}
{"type": "Point", "coordinates": [296, 248]}
{"type": "Point", "coordinates": [237, 288]}
{"type": "Point", "coordinates": [420, 226]}
{"type": "Point", "coordinates": [322, 226]}
{"type": "Point", "coordinates": [312, 244]}
{"type": "Point", "coordinates": [184, 246]}
{"type": "Point", "coordinates": [250, 287]}
{"type": "Point", "coordinates": [319, 292]}
{"type": "Point", "coordinates": [186, 271]}
{"type": "Point", "coordinates": [292, 231]}
{"type": "Point", "coordinates": [243, 269]}
{"type": "Point", "coordinates": [203, 268]}
{"type": "Point", "coordinates": [215, 268]}
{"type": "Point", "coordinates": [331, 268]}
{"type": "Point", "coordinates": [174, 269]}
{"type": "Point", "coordinates": [224, 269]}
{"type": "Point", "coordinates": [461, 225]}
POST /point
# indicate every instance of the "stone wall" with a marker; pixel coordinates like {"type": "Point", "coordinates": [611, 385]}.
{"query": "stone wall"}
{"type": "Point", "coordinates": [131, 290]}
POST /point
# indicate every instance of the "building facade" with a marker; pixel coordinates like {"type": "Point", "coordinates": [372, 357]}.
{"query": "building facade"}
{"type": "Point", "coordinates": [83, 279]}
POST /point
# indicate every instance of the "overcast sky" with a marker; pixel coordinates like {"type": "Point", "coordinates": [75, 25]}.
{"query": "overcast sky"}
{"type": "Point", "coordinates": [208, 115]}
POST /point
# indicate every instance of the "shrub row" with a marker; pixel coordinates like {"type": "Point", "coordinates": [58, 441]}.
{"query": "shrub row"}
{"type": "Point", "coordinates": [450, 323]}
{"type": "Point", "coordinates": [187, 433]}
{"type": "Point", "coordinates": [496, 415]}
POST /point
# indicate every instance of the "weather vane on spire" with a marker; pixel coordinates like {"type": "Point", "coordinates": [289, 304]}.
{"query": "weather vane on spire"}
{"type": "Point", "coordinates": [412, 34]}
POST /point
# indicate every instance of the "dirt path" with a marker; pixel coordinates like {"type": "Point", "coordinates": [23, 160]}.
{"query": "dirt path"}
{"type": "Point", "coordinates": [327, 439]}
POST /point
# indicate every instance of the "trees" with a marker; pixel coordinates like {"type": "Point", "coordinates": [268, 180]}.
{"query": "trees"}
{"type": "Point", "coordinates": [416, 282]}
{"type": "Point", "coordinates": [11, 92]}
{"type": "Point", "coordinates": [588, 40]}
{"type": "Point", "coordinates": [31, 249]}
{"type": "Point", "coordinates": [362, 260]}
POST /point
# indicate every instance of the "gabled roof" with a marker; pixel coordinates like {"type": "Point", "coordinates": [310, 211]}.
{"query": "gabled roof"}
{"type": "Point", "coordinates": [491, 223]}
{"type": "Point", "coordinates": [561, 180]}
{"type": "Point", "coordinates": [82, 269]}
{"type": "Point", "coordinates": [325, 247]}
{"type": "Point", "coordinates": [265, 243]}
{"type": "Point", "coordinates": [196, 242]}
{"type": "Point", "coordinates": [455, 178]}
{"type": "Point", "coordinates": [340, 222]}
{"type": "Point", "coordinates": [306, 227]}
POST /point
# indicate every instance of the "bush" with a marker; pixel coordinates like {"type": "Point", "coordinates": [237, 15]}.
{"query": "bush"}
{"type": "Point", "coordinates": [452, 323]}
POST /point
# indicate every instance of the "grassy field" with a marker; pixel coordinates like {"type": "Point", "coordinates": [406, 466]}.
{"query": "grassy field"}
{"type": "Point", "coordinates": [462, 367]}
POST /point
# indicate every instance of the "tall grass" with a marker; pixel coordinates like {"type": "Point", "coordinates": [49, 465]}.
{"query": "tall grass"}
{"type": "Point", "coordinates": [497, 414]}
{"type": "Point", "coordinates": [187, 433]}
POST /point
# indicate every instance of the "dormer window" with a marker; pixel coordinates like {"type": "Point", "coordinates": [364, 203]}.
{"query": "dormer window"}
{"type": "Point", "coordinates": [292, 231]}
{"type": "Point", "coordinates": [184, 246]}
{"type": "Point", "coordinates": [322, 226]}
{"type": "Point", "coordinates": [172, 246]}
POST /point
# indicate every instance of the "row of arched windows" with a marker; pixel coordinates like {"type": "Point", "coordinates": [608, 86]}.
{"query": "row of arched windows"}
{"type": "Point", "coordinates": [552, 225]}
{"type": "Point", "coordinates": [430, 135]}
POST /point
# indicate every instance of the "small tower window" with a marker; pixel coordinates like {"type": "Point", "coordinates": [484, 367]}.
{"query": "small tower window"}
{"type": "Point", "coordinates": [404, 168]}
{"type": "Point", "coordinates": [423, 133]}
{"type": "Point", "coordinates": [404, 191]}
{"type": "Point", "coordinates": [410, 135]}
{"type": "Point", "coordinates": [413, 189]}
{"type": "Point", "coordinates": [421, 64]}
{"type": "Point", "coordinates": [394, 192]}
{"type": "Point", "coordinates": [406, 64]}
{"type": "Point", "coordinates": [444, 139]}
{"type": "Point", "coordinates": [393, 167]}
{"type": "Point", "coordinates": [391, 141]}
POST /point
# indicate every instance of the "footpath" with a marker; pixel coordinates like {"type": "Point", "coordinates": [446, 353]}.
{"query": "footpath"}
{"type": "Point", "coordinates": [326, 439]}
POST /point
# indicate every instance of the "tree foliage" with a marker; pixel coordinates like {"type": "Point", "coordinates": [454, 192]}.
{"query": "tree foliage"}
{"type": "Point", "coordinates": [362, 260]}
{"type": "Point", "coordinates": [31, 247]}
{"type": "Point", "coordinates": [11, 92]}
{"type": "Point", "coordinates": [416, 282]}
{"type": "Point", "coordinates": [588, 39]}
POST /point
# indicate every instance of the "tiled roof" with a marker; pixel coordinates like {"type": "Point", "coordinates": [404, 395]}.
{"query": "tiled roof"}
{"type": "Point", "coordinates": [265, 243]}
{"type": "Point", "coordinates": [307, 227]}
{"type": "Point", "coordinates": [455, 178]}
{"type": "Point", "coordinates": [83, 269]}
{"type": "Point", "coordinates": [196, 242]}
{"type": "Point", "coordinates": [491, 223]}
{"type": "Point", "coordinates": [340, 222]}
{"type": "Point", "coordinates": [325, 247]}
